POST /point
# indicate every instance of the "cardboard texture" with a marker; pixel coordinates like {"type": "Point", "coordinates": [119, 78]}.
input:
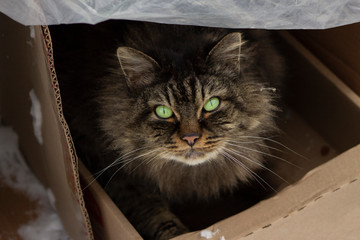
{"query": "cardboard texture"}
{"type": "Point", "coordinates": [324, 127]}
{"type": "Point", "coordinates": [16, 209]}
{"type": "Point", "coordinates": [26, 64]}
{"type": "Point", "coordinates": [289, 204]}
{"type": "Point", "coordinates": [105, 216]}
{"type": "Point", "coordinates": [266, 219]}
{"type": "Point", "coordinates": [339, 49]}
{"type": "Point", "coordinates": [319, 220]}
{"type": "Point", "coordinates": [322, 99]}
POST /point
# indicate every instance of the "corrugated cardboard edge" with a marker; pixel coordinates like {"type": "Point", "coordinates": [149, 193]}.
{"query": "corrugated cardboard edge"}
{"type": "Point", "coordinates": [107, 220]}
{"type": "Point", "coordinates": [318, 183]}
{"type": "Point", "coordinates": [74, 180]}
{"type": "Point", "coordinates": [332, 215]}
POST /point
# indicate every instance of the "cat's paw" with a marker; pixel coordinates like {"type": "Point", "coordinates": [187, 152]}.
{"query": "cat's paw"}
{"type": "Point", "coordinates": [170, 229]}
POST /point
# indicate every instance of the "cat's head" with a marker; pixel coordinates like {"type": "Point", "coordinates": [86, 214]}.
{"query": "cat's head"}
{"type": "Point", "coordinates": [195, 116]}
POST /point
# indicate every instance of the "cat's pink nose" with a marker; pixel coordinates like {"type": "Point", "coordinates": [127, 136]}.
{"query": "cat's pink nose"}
{"type": "Point", "coordinates": [190, 138]}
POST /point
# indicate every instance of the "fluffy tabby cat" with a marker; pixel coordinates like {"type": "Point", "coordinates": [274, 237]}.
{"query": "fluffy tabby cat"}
{"type": "Point", "coordinates": [163, 113]}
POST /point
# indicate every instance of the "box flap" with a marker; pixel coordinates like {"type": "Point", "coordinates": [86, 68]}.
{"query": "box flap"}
{"type": "Point", "coordinates": [318, 220]}
{"type": "Point", "coordinates": [107, 220]}
{"type": "Point", "coordinates": [29, 82]}
{"type": "Point", "coordinates": [297, 206]}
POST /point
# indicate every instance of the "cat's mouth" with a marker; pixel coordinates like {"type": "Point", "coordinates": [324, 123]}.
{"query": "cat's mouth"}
{"type": "Point", "coordinates": [194, 156]}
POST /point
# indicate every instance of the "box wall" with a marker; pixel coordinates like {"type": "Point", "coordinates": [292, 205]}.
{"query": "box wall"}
{"type": "Point", "coordinates": [285, 206]}
{"type": "Point", "coordinates": [56, 163]}
{"type": "Point", "coordinates": [339, 49]}
{"type": "Point", "coordinates": [25, 66]}
{"type": "Point", "coordinates": [325, 99]}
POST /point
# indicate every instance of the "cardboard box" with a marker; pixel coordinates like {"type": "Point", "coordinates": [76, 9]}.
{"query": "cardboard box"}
{"type": "Point", "coordinates": [338, 48]}
{"type": "Point", "coordinates": [26, 65]}
{"type": "Point", "coordinates": [323, 201]}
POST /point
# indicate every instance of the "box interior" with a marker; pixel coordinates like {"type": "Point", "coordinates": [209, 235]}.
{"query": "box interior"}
{"type": "Point", "coordinates": [322, 124]}
{"type": "Point", "coordinates": [338, 48]}
{"type": "Point", "coordinates": [314, 131]}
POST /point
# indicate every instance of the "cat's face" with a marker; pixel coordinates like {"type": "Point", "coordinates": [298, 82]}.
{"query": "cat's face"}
{"type": "Point", "coordinates": [196, 117]}
{"type": "Point", "coordinates": [193, 120]}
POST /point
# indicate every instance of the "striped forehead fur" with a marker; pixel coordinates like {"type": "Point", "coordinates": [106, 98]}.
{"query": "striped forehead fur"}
{"type": "Point", "coordinates": [246, 110]}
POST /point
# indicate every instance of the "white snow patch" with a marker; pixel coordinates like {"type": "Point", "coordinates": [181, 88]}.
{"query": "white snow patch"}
{"type": "Point", "coordinates": [17, 175]}
{"type": "Point", "coordinates": [222, 238]}
{"type": "Point", "coordinates": [46, 226]}
{"type": "Point", "coordinates": [51, 197]}
{"type": "Point", "coordinates": [13, 168]}
{"type": "Point", "coordinates": [35, 112]}
{"type": "Point", "coordinates": [32, 32]}
{"type": "Point", "coordinates": [208, 234]}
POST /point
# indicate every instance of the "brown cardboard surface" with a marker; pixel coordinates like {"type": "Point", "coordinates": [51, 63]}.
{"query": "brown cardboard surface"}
{"type": "Point", "coordinates": [16, 209]}
{"type": "Point", "coordinates": [305, 150]}
{"type": "Point", "coordinates": [107, 220]}
{"type": "Point", "coordinates": [329, 113]}
{"type": "Point", "coordinates": [25, 64]}
{"type": "Point", "coordinates": [334, 216]}
{"type": "Point", "coordinates": [339, 49]}
{"type": "Point", "coordinates": [331, 108]}
{"type": "Point", "coordinates": [318, 183]}
{"type": "Point", "coordinates": [17, 70]}
{"type": "Point", "coordinates": [322, 99]}
{"type": "Point", "coordinates": [334, 136]}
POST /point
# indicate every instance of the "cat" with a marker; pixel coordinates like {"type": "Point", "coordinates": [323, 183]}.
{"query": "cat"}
{"type": "Point", "coordinates": [165, 113]}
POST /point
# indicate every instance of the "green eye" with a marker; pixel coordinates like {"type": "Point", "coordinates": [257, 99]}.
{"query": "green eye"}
{"type": "Point", "coordinates": [212, 104]}
{"type": "Point", "coordinates": [163, 112]}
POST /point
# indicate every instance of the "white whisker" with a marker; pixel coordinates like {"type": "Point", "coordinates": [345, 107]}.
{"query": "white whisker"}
{"type": "Point", "coordinates": [276, 142]}
{"type": "Point", "coordinates": [148, 160]}
{"type": "Point", "coordinates": [119, 159]}
{"type": "Point", "coordinates": [114, 163]}
{"type": "Point", "coordinates": [128, 162]}
{"type": "Point", "coordinates": [240, 154]}
{"type": "Point", "coordinates": [243, 142]}
{"type": "Point", "coordinates": [258, 142]}
{"type": "Point", "coordinates": [273, 148]}
{"type": "Point", "coordinates": [264, 153]}
{"type": "Point", "coordinates": [255, 175]}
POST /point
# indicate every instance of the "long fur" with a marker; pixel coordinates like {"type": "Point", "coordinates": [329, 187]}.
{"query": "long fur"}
{"type": "Point", "coordinates": [118, 72]}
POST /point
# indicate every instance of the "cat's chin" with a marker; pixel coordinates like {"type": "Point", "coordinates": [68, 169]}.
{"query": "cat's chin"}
{"type": "Point", "coordinates": [194, 157]}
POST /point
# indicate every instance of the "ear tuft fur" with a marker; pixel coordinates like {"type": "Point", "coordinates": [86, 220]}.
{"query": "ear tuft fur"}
{"type": "Point", "coordinates": [226, 53]}
{"type": "Point", "coordinates": [138, 68]}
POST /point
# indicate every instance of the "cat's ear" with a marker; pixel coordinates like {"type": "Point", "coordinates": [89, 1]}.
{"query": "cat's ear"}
{"type": "Point", "coordinates": [226, 53]}
{"type": "Point", "coordinates": [138, 68]}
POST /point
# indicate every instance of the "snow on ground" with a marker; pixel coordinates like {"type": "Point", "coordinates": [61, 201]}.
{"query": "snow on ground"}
{"type": "Point", "coordinates": [17, 175]}
{"type": "Point", "coordinates": [207, 234]}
